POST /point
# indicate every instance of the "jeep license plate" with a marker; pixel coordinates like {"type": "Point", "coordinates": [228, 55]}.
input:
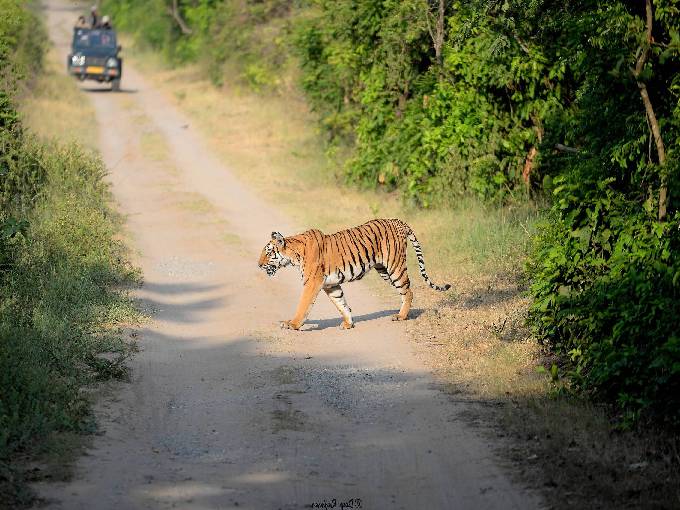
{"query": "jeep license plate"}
{"type": "Point", "coordinates": [95, 70]}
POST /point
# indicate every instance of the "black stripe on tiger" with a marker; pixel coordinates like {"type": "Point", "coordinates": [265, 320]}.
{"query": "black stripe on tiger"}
{"type": "Point", "coordinates": [327, 261]}
{"type": "Point", "coordinates": [421, 261]}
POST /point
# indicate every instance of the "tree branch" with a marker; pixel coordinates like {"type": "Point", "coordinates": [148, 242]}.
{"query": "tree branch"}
{"type": "Point", "coordinates": [429, 24]}
{"type": "Point", "coordinates": [437, 35]}
{"type": "Point", "coordinates": [521, 43]}
{"type": "Point", "coordinates": [174, 12]}
{"type": "Point", "coordinates": [565, 148]}
{"type": "Point", "coordinates": [533, 152]}
{"type": "Point", "coordinates": [440, 30]}
{"type": "Point", "coordinates": [529, 166]}
{"type": "Point", "coordinates": [643, 54]}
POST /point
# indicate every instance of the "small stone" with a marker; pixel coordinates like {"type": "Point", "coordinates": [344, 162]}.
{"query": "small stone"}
{"type": "Point", "coordinates": [638, 466]}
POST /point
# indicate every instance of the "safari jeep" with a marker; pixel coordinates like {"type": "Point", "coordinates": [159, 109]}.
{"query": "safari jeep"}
{"type": "Point", "coordinates": [94, 56]}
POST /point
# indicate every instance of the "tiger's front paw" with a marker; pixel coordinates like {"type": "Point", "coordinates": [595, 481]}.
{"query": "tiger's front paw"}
{"type": "Point", "coordinates": [289, 325]}
{"type": "Point", "coordinates": [399, 318]}
{"type": "Point", "coordinates": [347, 325]}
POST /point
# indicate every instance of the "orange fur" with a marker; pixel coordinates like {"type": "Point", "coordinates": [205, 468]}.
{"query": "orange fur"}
{"type": "Point", "coordinates": [327, 261]}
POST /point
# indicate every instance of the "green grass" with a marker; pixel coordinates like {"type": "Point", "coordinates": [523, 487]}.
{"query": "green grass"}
{"type": "Point", "coordinates": [63, 280]}
{"type": "Point", "coordinates": [61, 307]}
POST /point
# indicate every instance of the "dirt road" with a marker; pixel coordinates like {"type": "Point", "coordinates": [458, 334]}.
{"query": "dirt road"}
{"type": "Point", "coordinates": [223, 409]}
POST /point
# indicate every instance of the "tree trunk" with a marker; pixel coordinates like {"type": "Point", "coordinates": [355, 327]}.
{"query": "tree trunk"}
{"type": "Point", "coordinates": [440, 33]}
{"type": "Point", "coordinates": [660, 150]}
{"type": "Point", "coordinates": [437, 34]}
{"type": "Point", "coordinates": [533, 152]}
{"type": "Point", "coordinates": [529, 166]}
{"type": "Point", "coordinates": [174, 12]}
{"type": "Point", "coordinates": [649, 112]}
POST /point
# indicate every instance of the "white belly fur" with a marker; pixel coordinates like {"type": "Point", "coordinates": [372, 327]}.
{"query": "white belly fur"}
{"type": "Point", "coordinates": [331, 279]}
{"type": "Point", "coordinates": [357, 274]}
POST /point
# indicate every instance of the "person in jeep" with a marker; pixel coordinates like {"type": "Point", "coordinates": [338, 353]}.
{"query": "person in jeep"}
{"type": "Point", "coordinates": [95, 55]}
{"type": "Point", "coordinates": [94, 17]}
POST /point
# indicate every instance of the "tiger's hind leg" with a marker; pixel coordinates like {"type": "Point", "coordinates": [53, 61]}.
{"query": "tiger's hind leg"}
{"type": "Point", "coordinates": [337, 296]}
{"type": "Point", "coordinates": [403, 285]}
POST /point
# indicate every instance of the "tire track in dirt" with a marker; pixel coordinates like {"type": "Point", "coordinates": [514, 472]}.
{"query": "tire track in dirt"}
{"type": "Point", "coordinates": [224, 410]}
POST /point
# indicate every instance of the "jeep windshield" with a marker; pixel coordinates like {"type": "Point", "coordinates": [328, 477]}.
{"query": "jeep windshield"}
{"type": "Point", "coordinates": [103, 40]}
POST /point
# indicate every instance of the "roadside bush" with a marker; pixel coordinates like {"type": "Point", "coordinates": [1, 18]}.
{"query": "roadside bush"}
{"type": "Point", "coordinates": [605, 270]}
{"type": "Point", "coordinates": [22, 46]}
{"type": "Point", "coordinates": [436, 103]}
{"type": "Point", "coordinates": [21, 51]}
{"type": "Point", "coordinates": [62, 271]}
{"type": "Point", "coordinates": [57, 307]}
{"type": "Point", "coordinates": [238, 36]}
{"type": "Point", "coordinates": [606, 287]}
{"type": "Point", "coordinates": [60, 303]}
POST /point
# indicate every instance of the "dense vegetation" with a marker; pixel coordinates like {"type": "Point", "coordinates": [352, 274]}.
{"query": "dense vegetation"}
{"type": "Point", "coordinates": [59, 264]}
{"type": "Point", "coordinates": [573, 102]}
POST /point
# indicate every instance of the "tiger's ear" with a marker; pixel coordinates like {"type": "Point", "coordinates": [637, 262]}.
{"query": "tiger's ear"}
{"type": "Point", "coordinates": [278, 239]}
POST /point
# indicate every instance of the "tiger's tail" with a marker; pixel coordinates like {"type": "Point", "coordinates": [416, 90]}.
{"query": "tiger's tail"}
{"type": "Point", "coordinates": [421, 262]}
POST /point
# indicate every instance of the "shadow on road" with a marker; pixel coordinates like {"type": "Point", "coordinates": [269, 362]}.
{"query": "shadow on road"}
{"type": "Point", "coordinates": [160, 299]}
{"type": "Point", "coordinates": [321, 324]}
{"type": "Point", "coordinates": [107, 90]}
{"type": "Point", "coordinates": [360, 427]}
{"type": "Point", "coordinates": [168, 302]}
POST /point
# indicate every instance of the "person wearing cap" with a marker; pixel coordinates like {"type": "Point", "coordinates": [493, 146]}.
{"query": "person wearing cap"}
{"type": "Point", "coordinates": [106, 23]}
{"type": "Point", "coordinates": [94, 17]}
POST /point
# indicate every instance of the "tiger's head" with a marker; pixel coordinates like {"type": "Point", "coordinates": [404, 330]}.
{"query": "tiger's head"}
{"type": "Point", "coordinates": [276, 254]}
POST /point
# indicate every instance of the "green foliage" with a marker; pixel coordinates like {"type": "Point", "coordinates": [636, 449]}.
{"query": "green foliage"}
{"type": "Point", "coordinates": [56, 302]}
{"type": "Point", "coordinates": [22, 44]}
{"type": "Point", "coordinates": [242, 35]}
{"type": "Point", "coordinates": [21, 51]}
{"type": "Point", "coordinates": [59, 267]}
{"type": "Point", "coordinates": [435, 125]}
{"type": "Point", "coordinates": [147, 21]}
{"type": "Point", "coordinates": [606, 287]}
{"type": "Point", "coordinates": [604, 271]}
{"type": "Point", "coordinates": [437, 121]}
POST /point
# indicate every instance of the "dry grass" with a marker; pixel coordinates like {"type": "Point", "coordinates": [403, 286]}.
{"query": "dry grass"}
{"type": "Point", "coordinates": [273, 144]}
{"type": "Point", "coordinates": [474, 337]}
{"type": "Point", "coordinates": [481, 343]}
{"type": "Point", "coordinates": [55, 108]}
{"type": "Point", "coordinates": [481, 353]}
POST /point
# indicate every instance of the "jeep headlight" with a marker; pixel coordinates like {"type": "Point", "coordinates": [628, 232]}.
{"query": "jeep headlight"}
{"type": "Point", "coordinates": [112, 62]}
{"type": "Point", "coordinates": [78, 60]}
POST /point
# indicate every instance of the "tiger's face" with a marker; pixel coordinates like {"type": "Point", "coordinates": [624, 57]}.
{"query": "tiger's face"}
{"type": "Point", "coordinates": [274, 255]}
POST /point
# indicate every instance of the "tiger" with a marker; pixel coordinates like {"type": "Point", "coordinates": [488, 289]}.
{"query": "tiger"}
{"type": "Point", "coordinates": [327, 261]}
